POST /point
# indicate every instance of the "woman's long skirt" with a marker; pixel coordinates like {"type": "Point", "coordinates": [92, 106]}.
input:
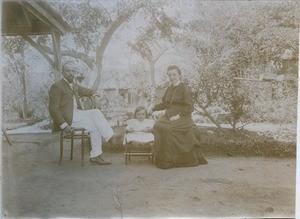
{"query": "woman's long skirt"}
{"type": "Point", "coordinates": [177, 143]}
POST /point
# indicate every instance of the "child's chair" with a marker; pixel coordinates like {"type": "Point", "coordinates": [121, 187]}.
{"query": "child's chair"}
{"type": "Point", "coordinates": [133, 147]}
{"type": "Point", "coordinates": [138, 149]}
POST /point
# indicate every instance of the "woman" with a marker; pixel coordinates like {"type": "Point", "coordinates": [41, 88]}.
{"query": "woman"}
{"type": "Point", "coordinates": [177, 142]}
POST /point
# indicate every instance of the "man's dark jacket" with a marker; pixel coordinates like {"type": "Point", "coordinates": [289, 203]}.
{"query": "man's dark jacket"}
{"type": "Point", "coordinates": [61, 101]}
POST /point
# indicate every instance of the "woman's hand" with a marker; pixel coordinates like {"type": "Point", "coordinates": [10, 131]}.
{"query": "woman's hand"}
{"type": "Point", "coordinates": [173, 118]}
{"type": "Point", "coordinates": [157, 114]}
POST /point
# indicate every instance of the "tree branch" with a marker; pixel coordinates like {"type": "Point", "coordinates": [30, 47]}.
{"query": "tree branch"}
{"type": "Point", "coordinates": [159, 55]}
{"type": "Point", "coordinates": [74, 54]}
{"type": "Point", "coordinates": [208, 115]}
{"type": "Point", "coordinates": [104, 10]}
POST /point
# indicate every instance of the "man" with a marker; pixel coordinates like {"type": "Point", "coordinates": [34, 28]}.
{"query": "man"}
{"type": "Point", "coordinates": [65, 109]}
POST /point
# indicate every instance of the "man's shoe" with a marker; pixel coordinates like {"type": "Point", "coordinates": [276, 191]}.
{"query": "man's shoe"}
{"type": "Point", "coordinates": [98, 160]}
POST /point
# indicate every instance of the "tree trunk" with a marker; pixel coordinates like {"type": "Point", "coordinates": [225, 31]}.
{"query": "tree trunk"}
{"type": "Point", "coordinates": [23, 81]}
{"type": "Point", "coordinates": [25, 106]}
{"type": "Point", "coordinates": [106, 39]}
{"type": "Point", "coordinates": [152, 72]}
{"type": "Point", "coordinates": [153, 85]}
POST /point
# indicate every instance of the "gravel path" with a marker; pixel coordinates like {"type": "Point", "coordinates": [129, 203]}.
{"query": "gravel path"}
{"type": "Point", "coordinates": [34, 186]}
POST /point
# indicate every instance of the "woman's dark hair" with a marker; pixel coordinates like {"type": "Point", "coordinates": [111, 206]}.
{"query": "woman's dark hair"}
{"type": "Point", "coordinates": [139, 108]}
{"type": "Point", "coordinates": [171, 67]}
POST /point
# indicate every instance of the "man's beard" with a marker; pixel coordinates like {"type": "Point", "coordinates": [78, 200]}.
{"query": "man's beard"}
{"type": "Point", "coordinates": [69, 79]}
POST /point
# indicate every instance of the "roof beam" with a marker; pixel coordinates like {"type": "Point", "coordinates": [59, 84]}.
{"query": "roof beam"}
{"type": "Point", "coordinates": [43, 15]}
{"type": "Point", "coordinates": [22, 30]}
{"type": "Point", "coordinates": [39, 48]}
{"type": "Point", "coordinates": [26, 14]}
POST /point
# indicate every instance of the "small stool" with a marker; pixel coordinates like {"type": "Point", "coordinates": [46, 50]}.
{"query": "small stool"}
{"type": "Point", "coordinates": [77, 133]}
{"type": "Point", "coordinates": [142, 149]}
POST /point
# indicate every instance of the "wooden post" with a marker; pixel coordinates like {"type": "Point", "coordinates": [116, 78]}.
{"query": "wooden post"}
{"type": "Point", "coordinates": [57, 54]}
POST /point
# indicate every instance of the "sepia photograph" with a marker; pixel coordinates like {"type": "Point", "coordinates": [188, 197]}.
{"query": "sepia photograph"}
{"type": "Point", "coordinates": [149, 108]}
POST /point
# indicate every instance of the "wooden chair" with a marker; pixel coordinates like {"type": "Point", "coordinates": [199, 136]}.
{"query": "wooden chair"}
{"type": "Point", "coordinates": [78, 133]}
{"type": "Point", "coordinates": [138, 149]}
{"type": "Point", "coordinates": [81, 134]}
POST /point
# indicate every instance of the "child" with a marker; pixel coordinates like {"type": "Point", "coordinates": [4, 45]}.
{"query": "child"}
{"type": "Point", "coordinates": [139, 129]}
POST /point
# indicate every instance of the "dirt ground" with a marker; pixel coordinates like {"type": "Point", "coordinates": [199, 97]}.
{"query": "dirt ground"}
{"type": "Point", "coordinates": [34, 186]}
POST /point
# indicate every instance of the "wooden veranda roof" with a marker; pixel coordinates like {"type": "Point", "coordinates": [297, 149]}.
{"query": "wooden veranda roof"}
{"type": "Point", "coordinates": [31, 18]}
{"type": "Point", "coordinates": [28, 18]}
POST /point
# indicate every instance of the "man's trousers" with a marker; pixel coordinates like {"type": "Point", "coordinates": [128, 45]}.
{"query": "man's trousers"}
{"type": "Point", "coordinates": [94, 122]}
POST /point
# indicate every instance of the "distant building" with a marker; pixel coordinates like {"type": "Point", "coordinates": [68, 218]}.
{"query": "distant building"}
{"type": "Point", "coordinates": [114, 87]}
{"type": "Point", "coordinates": [289, 67]}
{"type": "Point", "coordinates": [123, 92]}
{"type": "Point", "coordinates": [273, 85]}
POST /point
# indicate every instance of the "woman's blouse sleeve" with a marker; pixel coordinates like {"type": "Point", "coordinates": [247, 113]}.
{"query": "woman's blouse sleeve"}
{"type": "Point", "coordinates": [187, 102]}
{"type": "Point", "coordinates": [162, 105]}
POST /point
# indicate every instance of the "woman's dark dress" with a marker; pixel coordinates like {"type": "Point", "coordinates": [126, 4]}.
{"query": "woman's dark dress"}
{"type": "Point", "coordinates": [177, 143]}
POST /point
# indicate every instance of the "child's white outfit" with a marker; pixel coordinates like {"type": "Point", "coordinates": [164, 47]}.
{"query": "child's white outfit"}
{"type": "Point", "coordinates": [139, 135]}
